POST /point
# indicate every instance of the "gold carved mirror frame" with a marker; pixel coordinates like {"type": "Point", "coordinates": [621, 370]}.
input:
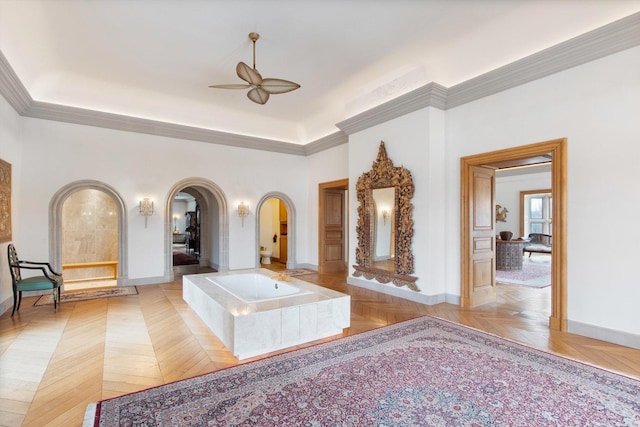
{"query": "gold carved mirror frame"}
{"type": "Point", "coordinates": [384, 175]}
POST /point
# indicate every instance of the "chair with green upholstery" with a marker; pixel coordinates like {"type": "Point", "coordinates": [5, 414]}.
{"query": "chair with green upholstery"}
{"type": "Point", "coordinates": [49, 279]}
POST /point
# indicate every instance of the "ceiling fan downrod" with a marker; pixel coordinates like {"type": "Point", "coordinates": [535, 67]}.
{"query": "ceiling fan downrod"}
{"type": "Point", "coordinates": [254, 38]}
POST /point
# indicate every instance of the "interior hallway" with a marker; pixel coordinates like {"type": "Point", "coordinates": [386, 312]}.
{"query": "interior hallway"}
{"type": "Point", "coordinates": [54, 364]}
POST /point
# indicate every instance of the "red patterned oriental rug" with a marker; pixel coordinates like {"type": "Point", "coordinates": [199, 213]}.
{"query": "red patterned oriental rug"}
{"type": "Point", "coordinates": [421, 372]}
{"type": "Point", "coordinates": [533, 274]}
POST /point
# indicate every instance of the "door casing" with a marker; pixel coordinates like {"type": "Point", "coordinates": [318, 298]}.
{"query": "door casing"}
{"type": "Point", "coordinates": [558, 150]}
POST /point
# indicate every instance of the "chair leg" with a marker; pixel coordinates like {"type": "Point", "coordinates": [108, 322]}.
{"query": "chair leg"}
{"type": "Point", "coordinates": [15, 303]}
{"type": "Point", "coordinates": [55, 299]}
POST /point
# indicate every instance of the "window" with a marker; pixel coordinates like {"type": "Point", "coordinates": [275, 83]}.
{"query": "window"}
{"type": "Point", "coordinates": [536, 212]}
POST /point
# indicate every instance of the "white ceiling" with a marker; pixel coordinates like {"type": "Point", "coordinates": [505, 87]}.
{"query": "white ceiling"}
{"type": "Point", "coordinates": [154, 59]}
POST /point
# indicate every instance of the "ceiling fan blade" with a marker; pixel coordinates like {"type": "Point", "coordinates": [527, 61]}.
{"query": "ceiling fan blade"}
{"type": "Point", "coordinates": [248, 74]}
{"type": "Point", "coordinates": [231, 86]}
{"type": "Point", "coordinates": [274, 86]}
{"type": "Point", "coordinates": [258, 95]}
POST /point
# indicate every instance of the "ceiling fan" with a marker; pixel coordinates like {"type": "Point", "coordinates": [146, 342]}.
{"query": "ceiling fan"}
{"type": "Point", "coordinates": [260, 88]}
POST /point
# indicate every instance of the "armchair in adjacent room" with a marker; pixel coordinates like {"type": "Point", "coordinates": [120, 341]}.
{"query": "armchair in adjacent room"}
{"type": "Point", "coordinates": [538, 243]}
{"type": "Point", "coordinates": [48, 279]}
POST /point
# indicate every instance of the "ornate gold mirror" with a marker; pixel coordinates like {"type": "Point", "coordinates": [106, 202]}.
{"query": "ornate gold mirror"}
{"type": "Point", "coordinates": [385, 223]}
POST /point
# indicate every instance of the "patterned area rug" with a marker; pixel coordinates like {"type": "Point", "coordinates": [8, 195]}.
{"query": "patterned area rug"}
{"type": "Point", "coordinates": [87, 295]}
{"type": "Point", "coordinates": [424, 371]}
{"type": "Point", "coordinates": [536, 275]}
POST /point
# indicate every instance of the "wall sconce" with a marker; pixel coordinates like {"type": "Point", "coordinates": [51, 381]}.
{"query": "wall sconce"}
{"type": "Point", "coordinates": [243, 211]}
{"type": "Point", "coordinates": [146, 209]}
{"type": "Point", "coordinates": [385, 215]}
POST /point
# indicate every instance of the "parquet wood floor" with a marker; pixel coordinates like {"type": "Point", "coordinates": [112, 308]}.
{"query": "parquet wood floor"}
{"type": "Point", "coordinates": [54, 364]}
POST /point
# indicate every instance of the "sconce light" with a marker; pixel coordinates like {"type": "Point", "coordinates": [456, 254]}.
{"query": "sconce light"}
{"type": "Point", "coordinates": [385, 215]}
{"type": "Point", "coordinates": [146, 209]}
{"type": "Point", "coordinates": [243, 211]}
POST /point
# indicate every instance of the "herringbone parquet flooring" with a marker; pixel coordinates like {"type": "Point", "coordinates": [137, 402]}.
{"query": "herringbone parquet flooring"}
{"type": "Point", "coordinates": [54, 364]}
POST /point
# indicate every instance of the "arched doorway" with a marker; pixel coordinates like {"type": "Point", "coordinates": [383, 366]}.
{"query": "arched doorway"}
{"type": "Point", "coordinates": [56, 223]}
{"type": "Point", "coordinates": [213, 222]}
{"type": "Point", "coordinates": [289, 231]}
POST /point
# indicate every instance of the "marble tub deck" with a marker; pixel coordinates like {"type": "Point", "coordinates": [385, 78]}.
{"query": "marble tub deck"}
{"type": "Point", "coordinates": [252, 329]}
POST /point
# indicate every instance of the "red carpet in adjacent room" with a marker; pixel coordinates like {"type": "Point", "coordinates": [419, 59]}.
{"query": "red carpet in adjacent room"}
{"type": "Point", "coordinates": [180, 258]}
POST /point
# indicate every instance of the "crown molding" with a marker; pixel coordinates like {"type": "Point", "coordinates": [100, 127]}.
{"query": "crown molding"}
{"type": "Point", "coordinates": [12, 88]}
{"type": "Point", "coordinates": [333, 140]}
{"type": "Point", "coordinates": [429, 95]}
{"type": "Point", "coordinates": [81, 116]}
{"type": "Point", "coordinates": [607, 40]}
{"type": "Point", "coordinates": [604, 41]}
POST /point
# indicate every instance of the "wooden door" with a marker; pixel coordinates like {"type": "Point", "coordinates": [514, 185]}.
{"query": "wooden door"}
{"type": "Point", "coordinates": [332, 230]}
{"type": "Point", "coordinates": [481, 268]}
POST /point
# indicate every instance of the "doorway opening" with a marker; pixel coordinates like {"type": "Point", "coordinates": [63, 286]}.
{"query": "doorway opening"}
{"type": "Point", "coordinates": [197, 209]}
{"type": "Point", "coordinates": [275, 232]}
{"type": "Point", "coordinates": [477, 228]}
{"type": "Point", "coordinates": [332, 226]}
{"type": "Point", "coordinates": [186, 229]}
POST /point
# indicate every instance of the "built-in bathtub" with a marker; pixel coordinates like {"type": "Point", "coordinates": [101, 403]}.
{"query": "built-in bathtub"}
{"type": "Point", "coordinates": [255, 287]}
{"type": "Point", "coordinates": [253, 314]}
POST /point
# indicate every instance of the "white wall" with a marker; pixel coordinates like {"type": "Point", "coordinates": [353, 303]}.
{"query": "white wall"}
{"type": "Point", "coordinates": [508, 190]}
{"type": "Point", "coordinates": [414, 141]}
{"type": "Point", "coordinates": [138, 166]}
{"type": "Point", "coordinates": [10, 151]}
{"type": "Point", "coordinates": [596, 106]}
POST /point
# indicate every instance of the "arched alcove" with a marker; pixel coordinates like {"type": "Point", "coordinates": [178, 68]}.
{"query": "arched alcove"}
{"type": "Point", "coordinates": [291, 219]}
{"type": "Point", "coordinates": [55, 223]}
{"type": "Point", "coordinates": [205, 191]}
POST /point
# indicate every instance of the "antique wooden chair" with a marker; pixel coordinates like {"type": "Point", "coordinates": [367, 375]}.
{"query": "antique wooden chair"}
{"type": "Point", "coordinates": [48, 280]}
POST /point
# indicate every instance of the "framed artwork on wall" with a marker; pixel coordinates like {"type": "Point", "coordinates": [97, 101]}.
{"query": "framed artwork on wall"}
{"type": "Point", "coordinates": [5, 201]}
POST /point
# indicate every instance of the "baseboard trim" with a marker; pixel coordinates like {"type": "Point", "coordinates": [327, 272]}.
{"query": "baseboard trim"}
{"type": "Point", "coordinates": [305, 265]}
{"type": "Point", "coordinates": [604, 334]}
{"type": "Point", "coordinates": [405, 293]}
{"type": "Point", "coordinates": [146, 281]}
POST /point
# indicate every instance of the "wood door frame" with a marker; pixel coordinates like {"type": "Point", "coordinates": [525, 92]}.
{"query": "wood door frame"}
{"type": "Point", "coordinates": [340, 184]}
{"type": "Point", "coordinates": [558, 150]}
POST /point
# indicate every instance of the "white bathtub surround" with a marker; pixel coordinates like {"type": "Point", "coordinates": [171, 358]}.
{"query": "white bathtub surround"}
{"type": "Point", "coordinates": [272, 322]}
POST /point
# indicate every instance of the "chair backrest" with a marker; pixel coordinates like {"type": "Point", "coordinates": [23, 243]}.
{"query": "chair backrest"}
{"type": "Point", "coordinates": [541, 239]}
{"type": "Point", "coordinates": [14, 263]}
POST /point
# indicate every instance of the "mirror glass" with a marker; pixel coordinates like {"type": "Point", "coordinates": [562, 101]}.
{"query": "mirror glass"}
{"type": "Point", "coordinates": [383, 242]}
